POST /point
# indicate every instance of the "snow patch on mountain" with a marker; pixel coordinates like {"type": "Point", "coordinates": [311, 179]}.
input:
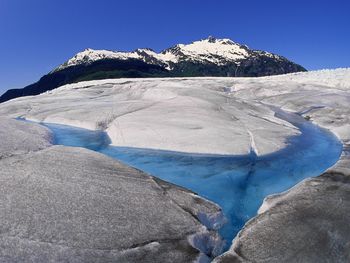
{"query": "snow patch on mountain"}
{"type": "Point", "coordinates": [90, 55]}
{"type": "Point", "coordinates": [210, 50]}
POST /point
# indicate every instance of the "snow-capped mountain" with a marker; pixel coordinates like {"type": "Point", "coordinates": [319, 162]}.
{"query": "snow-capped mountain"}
{"type": "Point", "coordinates": [207, 57]}
{"type": "Point", "coordinates": [210, 50]}
{"type": "Point", "coordinates": [89, 56]}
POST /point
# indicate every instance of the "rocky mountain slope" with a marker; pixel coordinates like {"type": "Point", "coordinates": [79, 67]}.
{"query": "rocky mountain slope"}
{"type": "Point", "coordinates": [208, 57]}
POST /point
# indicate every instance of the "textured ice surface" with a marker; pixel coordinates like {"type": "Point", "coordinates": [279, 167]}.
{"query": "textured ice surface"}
{"type": "Point", "coordinates": [308, 223]}
{"type": "Point", "coordinates": [186, 115]}
{"type": "Point", "coordinates": [214, 115]}
{"type": "Point", "coordinates": [19, 138]}
{"type": "Point", "coordinates": [202, 115]}
{"type": "Point", "coordinates": [64, 204]}
{"type": "Point", "coordinates": [237, 183]}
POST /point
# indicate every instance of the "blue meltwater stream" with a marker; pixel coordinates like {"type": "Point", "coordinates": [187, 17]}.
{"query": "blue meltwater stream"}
{"type": "Point", "coordinates": [237, 183]}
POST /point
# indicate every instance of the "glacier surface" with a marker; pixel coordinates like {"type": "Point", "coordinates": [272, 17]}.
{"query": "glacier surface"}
{"type": "Point", "coordinates": [226, 116]}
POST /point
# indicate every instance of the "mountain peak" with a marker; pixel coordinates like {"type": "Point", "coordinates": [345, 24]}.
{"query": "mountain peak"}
{"type": "Point", "coordinates": [220, 41]}
{"type": "Point", "coordinates": [211, 39]}
{"type": "Point", "coordinates": [206, 57]}
{"type": "Point", "coordinates": [212, 50]}
{"type": "Point", "coordinates": [145, 49]}
{"type": "Point", "coordinates": [89, 55]}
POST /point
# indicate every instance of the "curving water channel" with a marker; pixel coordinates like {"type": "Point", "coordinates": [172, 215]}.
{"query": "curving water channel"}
{"type": "Point", "coordinates": [237, 183]}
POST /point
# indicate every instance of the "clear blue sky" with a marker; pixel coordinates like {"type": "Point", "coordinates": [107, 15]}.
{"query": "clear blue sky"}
{"type": "Point", "coordinates": [38, 35]}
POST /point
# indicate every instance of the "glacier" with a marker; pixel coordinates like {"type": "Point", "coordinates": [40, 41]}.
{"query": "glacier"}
{"type": "Point", "coordinates": [224, 116]}
{"type": "Point", "coordinates": [64, 204]}
{"type": "Point", "coordinates": [237, 183]}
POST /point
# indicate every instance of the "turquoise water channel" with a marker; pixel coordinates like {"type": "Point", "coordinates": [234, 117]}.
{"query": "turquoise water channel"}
{"type": "Point", "coordinates": [237, 183]}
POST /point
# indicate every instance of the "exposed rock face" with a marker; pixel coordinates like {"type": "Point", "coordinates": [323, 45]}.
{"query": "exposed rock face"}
{"type": "Point", "coordinates": [61, 204]}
